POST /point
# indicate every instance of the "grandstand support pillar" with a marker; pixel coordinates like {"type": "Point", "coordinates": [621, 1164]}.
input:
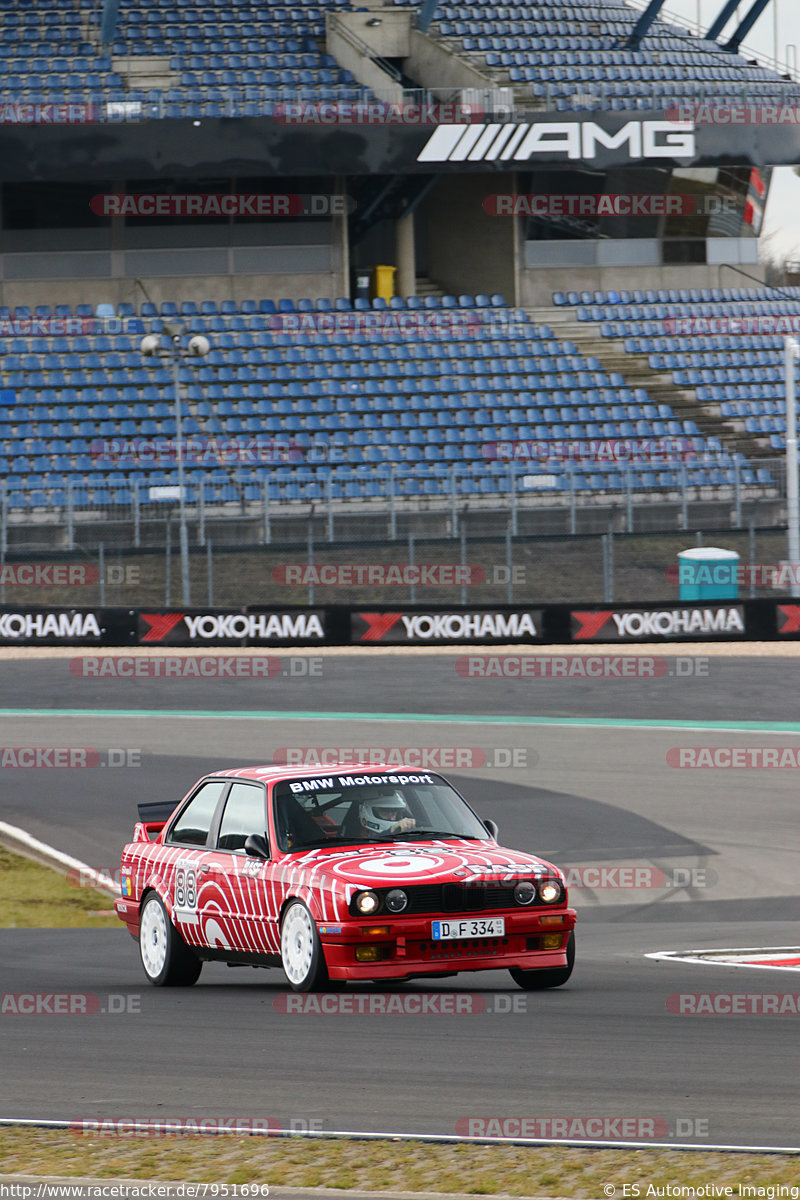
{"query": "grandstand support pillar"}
{"type": "Point", "coordinates": [721, 20]}
{"type": "Point", "coordinates": [405, 256]}
{"type": "Point", "coordinates": [184, 533]}
{"type": "Point", "coordinates": [791, 351]}
{"type": "Point", "coordinates": [643, 24]}
{"type": "Point", "coordinates": [341, 239]}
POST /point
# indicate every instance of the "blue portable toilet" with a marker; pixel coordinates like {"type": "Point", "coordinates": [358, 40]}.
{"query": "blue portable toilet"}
{"type": "Point", "coordinates": [708, 573]}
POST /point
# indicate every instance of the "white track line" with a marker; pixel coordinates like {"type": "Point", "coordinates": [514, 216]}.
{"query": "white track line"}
{"type": "Point", "coordinates": [712, 957]}
{"type": "Point", "coordinates": [444, 1138]}
{"type": "Point", "coordinates": [19, 838]}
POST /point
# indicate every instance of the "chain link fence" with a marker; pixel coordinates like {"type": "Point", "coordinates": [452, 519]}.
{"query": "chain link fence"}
{"type": "Point", "coordinates": [474, 567]}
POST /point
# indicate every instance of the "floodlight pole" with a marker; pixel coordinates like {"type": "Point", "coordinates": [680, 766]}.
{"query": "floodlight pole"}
{"type": "Point", "coordinates": [791, 351]}
{"type": "Point", "coordinates": [184, 533]}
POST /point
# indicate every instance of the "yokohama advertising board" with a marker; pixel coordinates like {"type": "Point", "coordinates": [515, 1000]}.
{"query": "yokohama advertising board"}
{"type": "Point", "coordinates": [414, 627]}
{"type": "Point", "coordinates": [696, 623]}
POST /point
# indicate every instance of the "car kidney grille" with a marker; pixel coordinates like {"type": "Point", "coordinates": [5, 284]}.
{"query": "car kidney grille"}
{"type": "Point", "coordinates": [454, 898]}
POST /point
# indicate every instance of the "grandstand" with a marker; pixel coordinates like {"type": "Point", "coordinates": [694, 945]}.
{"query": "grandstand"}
{"type": "Point", "coordinates": [237, 99]}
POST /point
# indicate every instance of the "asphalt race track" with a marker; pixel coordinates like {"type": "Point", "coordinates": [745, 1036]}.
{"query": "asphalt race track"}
{"type": "Point", "coordinates": [714, 854]}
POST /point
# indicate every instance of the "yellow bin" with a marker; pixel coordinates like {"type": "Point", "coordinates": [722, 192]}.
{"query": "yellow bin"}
{"type": "Point", "coordinates": [383, 282]}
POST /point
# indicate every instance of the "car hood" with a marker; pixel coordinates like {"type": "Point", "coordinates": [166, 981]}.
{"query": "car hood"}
{"type": "Point", "coordinates": [451, 861]}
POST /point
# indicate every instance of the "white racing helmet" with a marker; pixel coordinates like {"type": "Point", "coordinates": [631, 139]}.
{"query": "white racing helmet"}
{"type": "Point", "coordinates": [380, 814]}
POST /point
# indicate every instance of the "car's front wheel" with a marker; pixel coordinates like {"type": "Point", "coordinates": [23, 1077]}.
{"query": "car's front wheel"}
{"type": "Point", "coordinates": [301, 950]}
{"type": "Point", "coordinates": [547, 977]}
{"type": "Point", "coordinates": [167, 960]}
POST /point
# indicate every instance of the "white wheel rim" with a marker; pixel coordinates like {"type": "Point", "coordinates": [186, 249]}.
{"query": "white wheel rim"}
{"type": "Point", "coordinates": [153, 939]}
{"type": "Point", "coordinates": [297, 943]}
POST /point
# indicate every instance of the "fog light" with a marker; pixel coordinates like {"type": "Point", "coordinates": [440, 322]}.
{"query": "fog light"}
{"type": "Point", "coordinates": [367, 953]}
{"type": "Point", "coordinates": [550, 891]}
{"type": "Point", "coordinates": [550, 941]}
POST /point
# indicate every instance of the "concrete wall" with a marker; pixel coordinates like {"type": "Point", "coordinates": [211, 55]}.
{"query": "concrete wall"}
{"type": "Point", "coordinates": [468, 250]}
{"type": "Point", "coordinates": [390, 39]}
{"type": "Point", "coordinates": [210, 287]}
{"type": "Point", "coordinates": [434, 66]}
{"type": "Point", "coordinates": [363, 68]}
{"type": "Point", "coordinates": [537, 286]}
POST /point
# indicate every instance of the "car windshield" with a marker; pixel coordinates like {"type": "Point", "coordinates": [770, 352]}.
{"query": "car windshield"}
{"type": "Point", "coordinates": [363, 808]}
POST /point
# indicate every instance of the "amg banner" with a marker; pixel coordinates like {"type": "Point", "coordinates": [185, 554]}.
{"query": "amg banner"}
{"type": "Point", "coordinates": [694, 624]}
{"type": "Point", "coordinates": [412, 627]}
{"type": "Point", "coordinates": [272, 627]}
{"type": "Point", "coordinates": [327, 140]}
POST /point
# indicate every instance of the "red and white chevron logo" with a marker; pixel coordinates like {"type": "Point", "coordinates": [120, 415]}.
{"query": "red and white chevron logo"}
{"type": "Point", "coordinates": [161, 625]}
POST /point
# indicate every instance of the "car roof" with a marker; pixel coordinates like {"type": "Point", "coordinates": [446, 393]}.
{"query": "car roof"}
{"type": "Point", "coordinates": [273, 773]}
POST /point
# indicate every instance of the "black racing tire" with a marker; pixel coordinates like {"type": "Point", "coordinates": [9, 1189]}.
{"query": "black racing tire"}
{"type": "Point", "coordinates": [547, 977]}
{"type": "Point", "coordinates": [302, 955]}
{"type": "Point", "coordinates": [166, 959]}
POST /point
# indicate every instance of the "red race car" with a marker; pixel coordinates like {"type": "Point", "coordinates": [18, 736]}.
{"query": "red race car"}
{"type": "Point", "coordinates": [363, 873]}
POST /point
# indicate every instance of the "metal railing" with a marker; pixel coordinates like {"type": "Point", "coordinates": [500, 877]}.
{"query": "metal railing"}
{"type": "Point", "coordinates": [440, 500]}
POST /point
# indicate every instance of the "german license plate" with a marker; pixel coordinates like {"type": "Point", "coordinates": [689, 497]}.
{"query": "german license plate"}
{"type": "Point", "coordinates": [443, 931]}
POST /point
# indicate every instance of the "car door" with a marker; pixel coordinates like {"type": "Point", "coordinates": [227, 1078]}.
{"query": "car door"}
{"type": "Point", "coordinates": [186, 869]}
{"type": "Point", "coordinates": [248, 909]}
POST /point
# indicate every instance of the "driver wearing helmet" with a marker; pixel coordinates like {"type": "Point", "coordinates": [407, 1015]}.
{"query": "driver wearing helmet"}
{"type": "Point", "coordinates": [386, 814]}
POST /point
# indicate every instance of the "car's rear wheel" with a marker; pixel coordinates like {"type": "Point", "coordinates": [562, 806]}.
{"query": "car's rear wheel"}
{"type": "Point", "coordinates": [301, 950]}
{"type": "Point", "coordinates": [167, 960]}
{"type": "Point", "coordinates": [548, 977]}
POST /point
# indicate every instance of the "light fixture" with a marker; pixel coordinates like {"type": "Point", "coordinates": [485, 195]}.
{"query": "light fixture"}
{"type": "Point", "coordinates": [373, 21]}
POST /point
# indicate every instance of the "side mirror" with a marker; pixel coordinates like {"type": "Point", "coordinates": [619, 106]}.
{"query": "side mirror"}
{"type": "Point", "coordinates": [491, 827]}
{"type": "Point", "coordinates": [256, 846]}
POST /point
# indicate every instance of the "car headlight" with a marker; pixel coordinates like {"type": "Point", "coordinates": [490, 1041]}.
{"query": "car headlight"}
{"type": "Point", "coordinates": [395, 900]}
{"type": "Point", "coordinates": [550, 891]}
{"type": "Point", "coordinates": [525, 892]}
{"type": "Point", "coordinates": [366, 903]}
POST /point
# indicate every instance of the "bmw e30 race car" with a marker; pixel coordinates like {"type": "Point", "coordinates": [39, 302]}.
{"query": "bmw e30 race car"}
{"type": "Point", "coordinates": [364, 873]}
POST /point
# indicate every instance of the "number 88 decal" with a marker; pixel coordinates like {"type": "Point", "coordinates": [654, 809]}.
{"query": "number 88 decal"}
{"type": "Point", "coordinates": [185, 887]}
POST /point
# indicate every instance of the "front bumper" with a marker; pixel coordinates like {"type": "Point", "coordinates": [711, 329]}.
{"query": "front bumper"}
{"type": "Point", "coordinates": [408, 950]}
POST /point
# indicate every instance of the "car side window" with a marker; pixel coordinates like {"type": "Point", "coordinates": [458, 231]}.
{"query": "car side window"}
{"type": "Point", "coordinates": [245, 813]}
{"type": "Point", "coordinates": [192, 826]}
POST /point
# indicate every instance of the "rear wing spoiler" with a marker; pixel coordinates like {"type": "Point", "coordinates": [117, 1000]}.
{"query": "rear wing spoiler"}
{"type": "Point", "coordinates": [152, 819]}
